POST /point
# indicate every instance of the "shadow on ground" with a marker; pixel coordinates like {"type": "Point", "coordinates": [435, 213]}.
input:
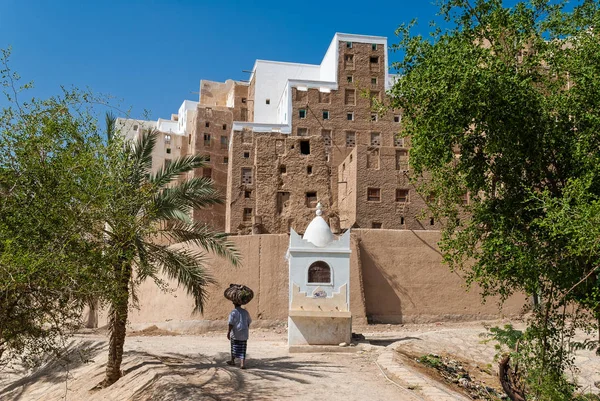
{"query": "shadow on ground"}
{"type": "Point", "coordinates": [165, 376]}
{"type": "Point", "coordinates": [56, 370]}
{"type": "Point", "coordinates": [212, 379]}
{"type": "Point", "coordinates": [385, 341]}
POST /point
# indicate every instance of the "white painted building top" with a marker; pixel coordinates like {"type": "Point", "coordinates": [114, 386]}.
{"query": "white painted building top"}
{"type": "Point", "coordinates": [273, 81]}
{"type": "Point", "coordinates": [318, 231]}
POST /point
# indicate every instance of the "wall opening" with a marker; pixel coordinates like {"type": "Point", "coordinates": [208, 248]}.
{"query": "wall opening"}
{"type": "Point", "coordinates": [374, 194]}
{"type": "Point", "coordinates": [350, 139]}
{"type": "Point", "coordinates": [247, 176]}
{"type": "Point", "coordinates": [311, 200]}
{"type": "Point", "coordinates": [282, 201]}
{"type": "Point", "coordinates": [319, 273]}
{"type": "Point", "coordinates": [305, 147]}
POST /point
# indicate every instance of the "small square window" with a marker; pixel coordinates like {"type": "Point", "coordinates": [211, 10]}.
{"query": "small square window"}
{"type": "Point", "coordinates": [247, 214]}
{"type": "Point", "coordinates": [311, 200]}
{"type": "Point", "coordinates": [375, 225]}
{"type": "Point", "coordinates": [374, 117]}
{"type": "Point", "coordinates": [350, 97]}
{"type": "Point", "coordinates": [375, 139]}
{"type": "Point", "coordinates": [302, 131]}
{"type": "Point", "coordinates": [349, 62]}
{"type": "Point", "coordinates": [350, 116]}
{"type": "Point", "coordinates": [309, 170]}
{"type": "Point", "coordinates": [135, 127]}
{"type": "Point", "coordinates": [207, 124]}
{"type": "Point", "coordinates": [349, 78]}
{"type": "Point", "coordinates": [302, 113]}
{"type": "Point", "coordinates": [224, 127]}
{"type": "Point", "coordinates": [373, 194]}
{"type": "Point", "coordinates": [244, 100]}
{"type": "Point", "coordinates": [282, 169]}
{"type": "Point", "coordinates": [268, 101]}
{"type": "Point", "coordinates": [326, 134]}
{"type": "Point", "coordinates": [325, 115]}
{"type": "Point", "coordinates": [246, 155]}
{"type": "Point", "coordinates": [247, 176]}
{"type": "Point", "coordinates": [402, 195]}
{"type": "Point", "coordinates": [168, 150]}
{"type": "Point", "coordinates": [207, 158]}
{"type": "Point", "coordinates": [350, 139]}
{"type": "Point", "coordinates": [247, 194]}
{"type": "Point", "coordinates": [225, 160]}
{"type": "Point", "coordinates": [206, 139]}
{"type": "Point", "coordinates": [402, 160]}
{"type": "Point", "coordinates": [349, 45]}
{"type": "Point", "coordinates": [396, 118]}
{"type": "Point", "coordinates": [373, 81]}
{"type": "Point", "coordinates": [374, 60]}
{"type": "Point", "coordinates": [305, 147]}
{"type": "Point", "coordinates": [374, 46]}
{"type": "Point", "coordinates": [398, 141]}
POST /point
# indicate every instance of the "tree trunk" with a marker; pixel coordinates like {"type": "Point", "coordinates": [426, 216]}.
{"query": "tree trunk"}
{"type": "Point", "coordinates": [118, 328]}
{"type": "Point", "coordinates": [509, 381]}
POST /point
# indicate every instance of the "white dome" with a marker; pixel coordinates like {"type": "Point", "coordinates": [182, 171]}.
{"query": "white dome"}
{"type": "Point", "coordinates": [318, 232]}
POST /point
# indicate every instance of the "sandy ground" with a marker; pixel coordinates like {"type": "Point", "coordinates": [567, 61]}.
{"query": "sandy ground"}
{"type": "Point", "coordinates": [193, 368]}
{"type": "Point", "coordinates": [178, 367]}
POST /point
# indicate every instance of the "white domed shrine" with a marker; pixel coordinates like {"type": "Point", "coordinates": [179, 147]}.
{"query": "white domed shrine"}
{"type": "Point", "coordinates": [319, 280]}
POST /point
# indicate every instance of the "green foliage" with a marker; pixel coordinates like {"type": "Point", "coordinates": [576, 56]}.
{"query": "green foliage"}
{"type": "Point", "coordinates": [505, 105]}
{"type": "Point", "coordinates": [52, 195]}
{"type": "Point", "coordinates": [433, 361]}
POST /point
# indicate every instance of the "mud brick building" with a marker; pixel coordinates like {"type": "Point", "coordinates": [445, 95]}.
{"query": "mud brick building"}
{"type": "Point", "coordinates": [297, 134]}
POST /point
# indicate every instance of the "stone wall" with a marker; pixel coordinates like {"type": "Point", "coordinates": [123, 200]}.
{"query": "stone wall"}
{"type": "Point", "coordinates": [380, 169]}
{"type": "Point", "coordinates": [396, 276]}
{"type": "Point", "coordinates": [209, 135]}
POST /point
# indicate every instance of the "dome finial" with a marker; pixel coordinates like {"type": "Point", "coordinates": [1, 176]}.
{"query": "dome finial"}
{"type": "Point", "coordinates": [319, 209]}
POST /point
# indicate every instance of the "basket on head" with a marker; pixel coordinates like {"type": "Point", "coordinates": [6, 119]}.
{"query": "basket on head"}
{"type": "Point", "coordinates": [239, 294]}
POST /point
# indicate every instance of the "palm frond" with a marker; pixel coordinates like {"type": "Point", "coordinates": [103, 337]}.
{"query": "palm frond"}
{"type": "Point", "coordinates": [110, 120]}
{"type": "Point", "coordinates": [204, 236]}
{"type": "Point", "coordinates": [181, 165]}
{"type": "Point", "coordinates": [197, 192]}
{"type": "Point", "coordinates": [187, 267]}
{"type": "Point", "coordinates": [167, 206]}
{"type": "Point", "coordinates": [146, 267]}
{"type": "Point", "coordinates": [141, 154]}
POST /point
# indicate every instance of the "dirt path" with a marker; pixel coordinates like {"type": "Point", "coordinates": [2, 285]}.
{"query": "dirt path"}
{"type": "Point", "coordinates": [193, 368]}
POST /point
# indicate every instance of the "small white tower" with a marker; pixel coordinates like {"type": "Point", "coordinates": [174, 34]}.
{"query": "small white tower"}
{"type": "Point", "coordinates": [319, 309]}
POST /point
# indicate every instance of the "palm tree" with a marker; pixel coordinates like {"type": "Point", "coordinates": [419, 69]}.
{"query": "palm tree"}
{"type": "Point", "coordinates": [147, 228]}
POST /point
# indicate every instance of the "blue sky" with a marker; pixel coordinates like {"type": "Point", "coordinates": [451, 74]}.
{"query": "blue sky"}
{"type": "Point", "coordinates": [152, 54]}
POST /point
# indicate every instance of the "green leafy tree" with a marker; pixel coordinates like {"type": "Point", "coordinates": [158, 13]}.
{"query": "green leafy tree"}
{"type": "Point", "coordinates": [504, 106]}
{"type": "Point", "coordinates": [52, 196]}
{"type": "Point", "coordinates": [149, 212]}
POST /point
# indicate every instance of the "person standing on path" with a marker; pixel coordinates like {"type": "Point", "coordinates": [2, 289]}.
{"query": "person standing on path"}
{"type": "Point", "coordinates": [239, 328]}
